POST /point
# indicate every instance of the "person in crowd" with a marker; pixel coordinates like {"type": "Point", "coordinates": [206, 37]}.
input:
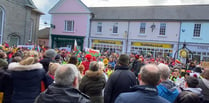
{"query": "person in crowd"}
{"type": "Point", "coordinates": [111, 62]}
{"type": "Point", "coordinates": [58, 59]}
{"type": "Point", "coordinates": [86, 63]}
{"type": "Point", "coordinates": [3, 62]}
{"type": "Point", "coordinates": [166, 89]}
{"type": "Point", "coordinates": [187, 97]}
{"type": "Point", "coordinates": [27, 76]}
{"type": "Point", "coordinates": [73, 60]}
{"type": "Point", "coordinates": [16, 59]}
{"type": "Point", "coordinates": [65, 88]}
{"type": "Point", "coordinates": [120, 81]}
{"type": "Point", "coordinates": [102, 67]}
{"type": "Point", "coordinates": [137, 64]}
{"type": "Point", "coordinates": [146, 92]}
{"type": "Point", "coordinates": [93, 83]}
{"type": "Point", "coordinates": [52, 69]}
{"type": "Point", "coordinates": [196, 72]}
{"type": "Point", "coordinates": [6, 86]}
{"type": "Point", "coordinates": [192, 66]}
{"type": "Point", "coordinates": [49, 56]}
{"type": "Point", "coordinates": [204, 85]}
{"type": "Point", "coordinates": [81, 69]}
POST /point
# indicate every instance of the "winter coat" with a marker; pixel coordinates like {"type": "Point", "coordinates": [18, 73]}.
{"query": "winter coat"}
{"type": "Point", "coordinates": [136, 66]}
{"type": "Point", "coordinates": [120, 81]}
{"type": "Point", "coordinates": [92, 84]}
{"type": "Point", "coordinates": [62, 94]}
{"type": "Point", "coordinates": [141, 94]}
{"type": "Point", "coordinates": [204, 85]}
{"type": "Point", "coordinates": [27, 81]}
{"type": "Point", "coordinates": [3, 63]}
{"type": "Point", "coordinates": [168, 90]}
{"type": "Point", "coordinates": [45, 62]}
{"type": "Point", "coordinates": [6, 85]}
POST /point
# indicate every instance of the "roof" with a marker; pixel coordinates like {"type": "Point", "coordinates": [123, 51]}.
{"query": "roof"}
{"type": "Point", "coordinates": [44, 33]}
{"type": "Point", "coordinates": [176, 12]}
{"type": "Point", "coordinates": [30, 3]}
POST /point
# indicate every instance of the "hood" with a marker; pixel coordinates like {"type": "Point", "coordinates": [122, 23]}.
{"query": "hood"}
{"type": "Point", "coordinates": [90, 73]}
{"type": "Point", "coordinates": [206, 82]}
{"type": "Point", "coordinates": [194, 90]}
{"type": "Point", "coordinates": [167, 87]}
{"type": "Point", "coordinates": [151, 90]}
{"type": "Point", "coordinates": [19, 67]}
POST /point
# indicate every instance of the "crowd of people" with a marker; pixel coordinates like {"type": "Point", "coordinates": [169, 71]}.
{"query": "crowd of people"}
{"type": "Point", "coordinates": [59, 76]}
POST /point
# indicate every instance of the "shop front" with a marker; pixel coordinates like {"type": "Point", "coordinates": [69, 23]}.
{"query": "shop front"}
{"type": "Point", "coordinates": [115, 46]}
{"type": "Point", "coordinates": [152, 49]}
{"type": "Point", "coordinates": [67, 41]}
{"type": "Point", "coordinates": [199, 52]}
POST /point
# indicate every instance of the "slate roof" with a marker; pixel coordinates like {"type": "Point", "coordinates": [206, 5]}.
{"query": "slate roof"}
{"type": "Point", "coordinates": [176, 12]}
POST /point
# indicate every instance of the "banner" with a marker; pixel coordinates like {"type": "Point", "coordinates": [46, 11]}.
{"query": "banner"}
{"type": "Point", "coordinates": [92, 52]}
{"type": "Point", "coordinates": [26, 46]}
{"type": "Point", "coordinates": [152, 44]}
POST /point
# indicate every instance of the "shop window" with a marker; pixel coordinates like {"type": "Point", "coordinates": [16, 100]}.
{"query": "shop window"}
{"type": "Point", "coordinates": [115, 28]}
{"type": "Point", "coordinates": [99, 27]}
{"type": "Point", "coordinates": [69, 25]}
{"type": "Point", "coordinates": [162, 28]}
{"type": "Point", "coordinates": [197, 28]}
{"type": "Point", "coordinates": [142, 28]}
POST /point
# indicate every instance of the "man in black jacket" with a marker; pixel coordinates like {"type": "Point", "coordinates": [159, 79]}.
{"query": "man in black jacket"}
{"type": "Point", "coordinates": [49, 56]}
{"type": "Point", "coordinates": [65, 88]}
{"type": "Point", "coordinates": [120, 81]}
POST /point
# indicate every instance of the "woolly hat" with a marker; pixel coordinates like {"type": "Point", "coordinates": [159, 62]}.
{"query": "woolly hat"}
{"type": "Point", "coordinates": [88, 57]}
{"type": "Point", "coordinates": [123, 59]}
{"type": "Point", "coordinates": [50, 53]}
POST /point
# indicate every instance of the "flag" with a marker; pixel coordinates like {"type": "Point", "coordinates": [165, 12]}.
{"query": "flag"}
{"type": "Point", "coordinates": [93, 52]}
{"type": "Point", "coordinates": [178, 61]}
{"type": "Point", "coordinates": [76, 49]}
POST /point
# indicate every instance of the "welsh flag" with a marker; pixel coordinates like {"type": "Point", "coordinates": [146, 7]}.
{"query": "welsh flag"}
{"type": "Point", "coordinates": [76, 49]}
{"type": "Point", "coordinates": [93, 52]}
{"type": "Point", "coordinates": [178, 61]}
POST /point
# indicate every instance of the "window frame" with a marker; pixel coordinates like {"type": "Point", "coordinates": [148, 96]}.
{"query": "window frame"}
{"type": "Point", "coordinates": [142, 29]}
{"type": "Point", "coordinates": [197, 30]}
{"type": "Point", "coordinates": [115, 26]}
{"type": "Point", "coordinates": [72, 24]}
{"type": "Point", "coordinates": [162, 31]}
{"type": "Point", "coordinates": [99, 27]}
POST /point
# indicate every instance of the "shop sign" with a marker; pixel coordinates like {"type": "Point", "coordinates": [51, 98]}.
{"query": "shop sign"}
{"type": "Point", "coordinates": [152, 44]}
{"type": "Point", "coordinates": [108, 42]}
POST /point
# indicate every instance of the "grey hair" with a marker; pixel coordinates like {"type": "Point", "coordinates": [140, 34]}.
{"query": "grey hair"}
{"type": "Point", "coordinates": [66, 74]}
{"type": "Point", "coordinates": [101, 65]}
{"type": "Point", "coordinates": [94, 66]}
{"type": "Point", "coordinates": [164, 71]}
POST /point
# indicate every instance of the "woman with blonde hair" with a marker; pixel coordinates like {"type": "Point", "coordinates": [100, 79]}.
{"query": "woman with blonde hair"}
{"type": "Point", "coordinates": [27, 76]}
{"type": "Point", "coordinates": [52, 68]}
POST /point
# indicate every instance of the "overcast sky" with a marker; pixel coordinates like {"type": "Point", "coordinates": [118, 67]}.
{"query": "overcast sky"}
{"type": "Point", "coordinates": [45, 5]}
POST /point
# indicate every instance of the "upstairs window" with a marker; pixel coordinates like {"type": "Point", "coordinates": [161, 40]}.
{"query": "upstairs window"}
{"type": "Point", "coordinates": [162, 28]}
{"type": "Point", "coordinates": [197, 28]}
{"type": "Point", "coordinates": [115, 28]}
{"type": "Point", "coordinates": [69, 25]}
{"type": "Point", "coordinates": [99, 27]}
{"type": "Point", "coordinates": [142, 28]}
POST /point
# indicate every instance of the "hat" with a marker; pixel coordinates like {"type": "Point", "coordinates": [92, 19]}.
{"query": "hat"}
{"type": "Point", "coordinates": [123, 59]}
{"type": "Point", "coordinates": [51, 53]}
{"type": "Point", "coordinates": [88, 57]}
{"type": "Point", "coordinates": [137, 56]}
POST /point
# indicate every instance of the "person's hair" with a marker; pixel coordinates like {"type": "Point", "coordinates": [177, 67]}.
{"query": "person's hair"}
{"type": "Point", "coordinates": [16, 59]}
{"type": "Point", "coordinates": [53, 67]}
{"type": "Point", "coordinates": [73, 60]}
{"type": "Point", "coordinates": [205, 74]}
{"type": "Point", "coordinates": [187, 97]}
{"type": "Point", "coordinates": [30, 57]}
{"type": "Point", "coordinates": [81, 68]}
{"type": "Point", "coordinates": [192, 82]}
{"type": "Point", "coordinates": [164, 71]}
{"type": "Point", "coordinates": [50, 53]}
{"type": "Point", "coordinates": [101, 65]}
{"type": "Point", "coordinates": [150, 74]}
{"type": "Point", "coordinates": [2, 54]}
{"type": "Point", "coordinates": [66, 74]}
{"type": "Point", "coordinates": [94, 66]}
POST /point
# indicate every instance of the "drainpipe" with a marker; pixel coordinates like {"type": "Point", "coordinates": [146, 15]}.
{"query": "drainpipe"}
{"type": "Point", "coordinates": [127, 37]}
{"type": "Point", "coordinates": [178, 40]}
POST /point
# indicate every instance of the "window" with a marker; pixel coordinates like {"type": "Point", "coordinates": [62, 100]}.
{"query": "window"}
{"type": "Point", "coordinates": [142, 28]}
{"type": "Point", "coordinates": [162, 28]}
{"type": "Point", "coordinates": [115, 28]}
{"type": "Point", "coordinates": [197, 28]}
{"type": "Point", "coordinates": [31, 29]}
{"type": "Point", "coordinates": [69, 25]}
{"type": "Point", "coordinates": [1, 24]}
{"type": "Point", "coordinates": [99, 27]}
